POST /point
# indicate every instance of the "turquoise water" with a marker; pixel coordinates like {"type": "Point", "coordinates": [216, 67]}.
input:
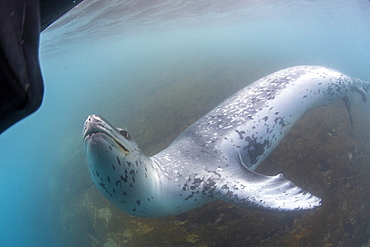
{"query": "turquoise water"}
{"type": "Point", "coordinates": [127, 60]}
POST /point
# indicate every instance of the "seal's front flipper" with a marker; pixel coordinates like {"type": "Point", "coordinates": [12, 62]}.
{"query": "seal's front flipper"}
{"type": "Point", "coordinates": [252, 189]}
{"type": "Point", "coordinates": [270, 192]}
{"type": "Point", "coordinates": [348, 106]}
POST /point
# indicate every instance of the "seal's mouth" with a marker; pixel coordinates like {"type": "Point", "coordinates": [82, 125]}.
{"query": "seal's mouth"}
{"type": "Point", "coordinates": [91, 134]}
{"type": "Point", "coordinates": [96, 126]}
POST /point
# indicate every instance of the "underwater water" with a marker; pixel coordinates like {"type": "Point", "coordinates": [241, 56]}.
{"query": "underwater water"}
{"type": "Point", "coordinates": [156, 67]}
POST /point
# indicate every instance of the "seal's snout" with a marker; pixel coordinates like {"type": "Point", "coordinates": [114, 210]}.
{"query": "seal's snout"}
{"type": "Point", "coordinates": [93, 118]}
{"type": "Point", "coordinates": [92, 123]}
{"type": "Point", "coordinates": [97, 124]}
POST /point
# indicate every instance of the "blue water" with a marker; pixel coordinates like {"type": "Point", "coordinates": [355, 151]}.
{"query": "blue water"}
{"type": "Point", "coordinates": [108, 57]}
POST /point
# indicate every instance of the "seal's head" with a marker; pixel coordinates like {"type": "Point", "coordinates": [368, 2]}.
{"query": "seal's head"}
{"type": "Point", "coordinates": [106, 145]}
{"type": "Point", "coordinates": [114, 159]}
{"type": "Point", "coordinates": [118, 168]}
{"type": "Point", "coordinates": [98, 131]}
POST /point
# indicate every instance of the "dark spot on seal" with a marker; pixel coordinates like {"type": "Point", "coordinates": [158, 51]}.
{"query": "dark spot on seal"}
{"type": "Point", "coordinates": [240, 133]}
{"type": "Point", "coordinates": [280, 121]}
{"type": "Point", "coordinates": [124, 179]}
{"type": "Point", "coordinates": [255, 149]}
{"type": "Point", "coordinates": [225, 187]}
{"type": "Point", "coordinates": [197, 181]}
{"type": "Point", "coordinates": [118, 182]}
{"type": "Point", "coordinates": [209, 187]}
{"type": "Point", "coordinates": [190, 196]}
{"type": "Point", "coordinates": [138, 202]}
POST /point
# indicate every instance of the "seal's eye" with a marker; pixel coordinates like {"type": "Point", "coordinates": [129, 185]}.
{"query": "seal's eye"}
{"type": "Point", "coordinates": [125, 134]}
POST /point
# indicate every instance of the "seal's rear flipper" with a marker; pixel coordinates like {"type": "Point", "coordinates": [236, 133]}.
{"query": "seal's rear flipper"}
{"type": "Point", "coordinates": [268, 192]}
{"type": "Point", "coordinates": [362, 87]}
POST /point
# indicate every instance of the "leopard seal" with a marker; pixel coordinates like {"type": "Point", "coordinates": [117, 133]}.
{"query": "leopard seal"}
{"type": "Point", "coordinates": [215, 157]}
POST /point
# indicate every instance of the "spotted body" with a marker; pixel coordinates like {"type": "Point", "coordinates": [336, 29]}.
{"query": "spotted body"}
{"type": "Point", "coordinates": [215, 157]}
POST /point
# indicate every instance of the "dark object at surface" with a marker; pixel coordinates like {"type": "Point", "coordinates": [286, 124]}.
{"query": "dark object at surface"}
{"type": "Point", "coordinates": [21, 85]}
